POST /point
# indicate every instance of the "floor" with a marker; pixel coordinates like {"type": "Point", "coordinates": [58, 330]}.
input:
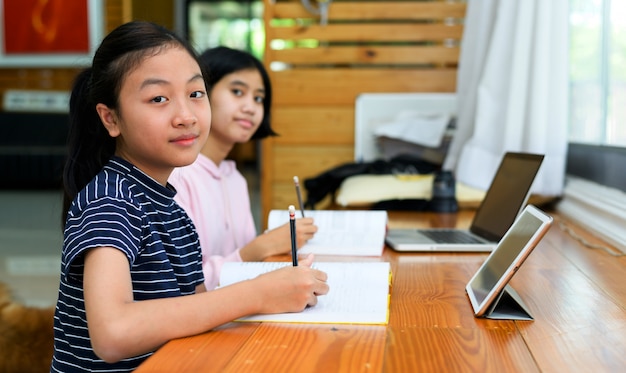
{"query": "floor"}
{"type": "Point", "coordinates": [30, 244]}
{"type": "Point", "coordinates": [31, 240]}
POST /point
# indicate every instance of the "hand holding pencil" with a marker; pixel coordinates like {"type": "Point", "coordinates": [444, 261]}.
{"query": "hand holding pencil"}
{"type": "Point", "coordinates": [277, 241]}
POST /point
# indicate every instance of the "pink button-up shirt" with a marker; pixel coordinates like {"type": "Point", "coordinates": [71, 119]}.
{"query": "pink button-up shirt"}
{"type": "Point", "coordinates": [218, 203]}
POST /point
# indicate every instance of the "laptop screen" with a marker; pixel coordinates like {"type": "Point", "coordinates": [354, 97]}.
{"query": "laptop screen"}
{"type": "Point", "coordinates": [506, 195]}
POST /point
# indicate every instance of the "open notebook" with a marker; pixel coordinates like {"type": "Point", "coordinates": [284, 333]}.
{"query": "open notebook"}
{"type": "Point", "coordinates": [359, 292]}
{"type": "Point", "coordinates": [506, 197]}
{"type": "Point", "coordinates": [341, 232]}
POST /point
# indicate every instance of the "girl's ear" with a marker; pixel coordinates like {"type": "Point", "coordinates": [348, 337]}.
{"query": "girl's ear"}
{"type": "Point", "coordinates": [109, 119]}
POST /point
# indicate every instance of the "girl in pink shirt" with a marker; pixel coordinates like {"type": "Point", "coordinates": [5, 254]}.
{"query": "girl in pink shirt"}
{"type": "Point", "coordinates": [211, 190]}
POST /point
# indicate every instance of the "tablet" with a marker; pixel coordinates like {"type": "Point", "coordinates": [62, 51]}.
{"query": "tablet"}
{"type": "Point", "coordinates": [488, 283]}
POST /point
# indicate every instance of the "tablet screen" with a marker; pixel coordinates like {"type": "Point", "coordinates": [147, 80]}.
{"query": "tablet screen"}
{"type": "Point", "coordinates": [500, 265]}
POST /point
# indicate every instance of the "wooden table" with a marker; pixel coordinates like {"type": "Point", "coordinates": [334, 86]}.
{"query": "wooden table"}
{"type": "Point", "coordinates": [576, 294]}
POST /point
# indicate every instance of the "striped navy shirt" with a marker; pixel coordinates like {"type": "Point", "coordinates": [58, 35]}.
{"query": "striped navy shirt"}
{"type": "Point", "coordinates": [122, 208]}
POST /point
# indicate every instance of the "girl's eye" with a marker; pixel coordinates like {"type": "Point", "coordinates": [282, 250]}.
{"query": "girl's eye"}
{"type": "Point", "coordinates": [237, 92]}
{"type": "Point", "coordinates": [259, 99]}
{"type": "Point", "coordinates": [198, 94]}
{"type": "Point", "coordinates": [159, 99]}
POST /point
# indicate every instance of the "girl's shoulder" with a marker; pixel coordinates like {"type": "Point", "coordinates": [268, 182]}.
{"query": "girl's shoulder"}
{"type": "Point", "coordinates": [106, 189]}
{"type": "Point", "coordinates": [110, 183]}
{"type": "Point", "coordinates": [110, 186]}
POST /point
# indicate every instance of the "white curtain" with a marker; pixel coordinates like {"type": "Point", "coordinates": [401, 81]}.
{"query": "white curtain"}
{"type": "Point", "coordinates": [512, 90]}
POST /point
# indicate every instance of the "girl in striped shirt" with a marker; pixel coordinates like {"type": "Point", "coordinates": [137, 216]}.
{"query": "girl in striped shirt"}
{"type": "Point", "coordinates": [131, 275]}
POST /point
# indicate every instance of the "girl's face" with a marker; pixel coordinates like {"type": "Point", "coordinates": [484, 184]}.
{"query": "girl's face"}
{"type": "Point", "coordinates": [237, 103]}
{"type": "Point", "coordinates": [164, 114]}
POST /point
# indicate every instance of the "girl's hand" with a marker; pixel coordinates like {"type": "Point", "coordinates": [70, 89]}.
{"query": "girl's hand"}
{"type": "Point", "coordinates": [305, 230]}
{"type": "Point", "coordinates": [292, 289]}
{"type": "Point", "coordinates": [278, 240]}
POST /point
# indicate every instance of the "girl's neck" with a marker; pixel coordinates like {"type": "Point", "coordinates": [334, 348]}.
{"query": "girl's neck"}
{"type": "Point", "coordinates": [215, 150]}
{"type": "Point", "coordinates": [159, 174]}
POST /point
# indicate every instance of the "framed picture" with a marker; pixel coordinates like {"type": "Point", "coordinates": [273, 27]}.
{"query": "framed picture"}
{"type": "Point", "coordinates": [49, 33]}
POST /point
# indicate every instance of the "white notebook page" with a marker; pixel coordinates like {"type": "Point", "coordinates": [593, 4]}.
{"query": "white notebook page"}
{"type": "Point", "coordinates": [341, 232]}
{"type": "Point", "coordinates": [359, 292]}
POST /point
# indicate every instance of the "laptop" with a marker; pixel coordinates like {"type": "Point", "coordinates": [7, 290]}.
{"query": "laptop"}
{"type": "Point", "coordinates": [488, 290]}
{"type": "Point", "coordinates": [505, 199]}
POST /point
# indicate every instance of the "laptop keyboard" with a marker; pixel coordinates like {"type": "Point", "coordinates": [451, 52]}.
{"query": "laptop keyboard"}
{"type": "Point", "coordinates": [450, 236]}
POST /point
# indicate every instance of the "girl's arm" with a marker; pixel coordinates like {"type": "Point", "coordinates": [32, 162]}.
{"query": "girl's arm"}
{"type": "Point", "coordinates": [277, 241]}
{"type": "Point", "coordinates": [120, 327]}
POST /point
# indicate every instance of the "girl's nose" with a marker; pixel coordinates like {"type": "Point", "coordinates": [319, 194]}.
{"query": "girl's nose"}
{"type": "Point", "coordinates": [249, 106]}
{"type": "Point", "coordinates": [184, 116]}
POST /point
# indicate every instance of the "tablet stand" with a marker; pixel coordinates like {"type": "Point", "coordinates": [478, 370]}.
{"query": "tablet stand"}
{"type": "Point", "coordinates": [508, 306]}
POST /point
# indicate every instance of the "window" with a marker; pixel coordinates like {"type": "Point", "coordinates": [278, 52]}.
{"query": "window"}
{"type": "Point", "coordinates": [598, 72]}
{"type": "Point", "coordinates": [596, 189]}
{"type": "Point", "coordinates": [235, 24]}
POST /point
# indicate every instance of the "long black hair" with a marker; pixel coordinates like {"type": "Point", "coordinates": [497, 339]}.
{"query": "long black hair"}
{"type": "Point", "coordinates": [221, 61]}
{"type": "Point", "coordinates": [89, 145]}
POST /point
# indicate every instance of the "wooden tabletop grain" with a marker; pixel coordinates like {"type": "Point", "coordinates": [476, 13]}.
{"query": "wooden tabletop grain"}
{"type": "Point", "coordinates": [576, 294]}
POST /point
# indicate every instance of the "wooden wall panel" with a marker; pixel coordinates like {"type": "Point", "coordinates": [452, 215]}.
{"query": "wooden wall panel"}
{"type": "Point", "coordinates": [116, 12]}
{"type": "Point", "coordinates": [387, 10]}
{"type": "Point", "coordinates": [313, 87]}
{"type": "Point", "coordinates": [371, 54]}
{"type": "Point", "coordinates": [284, 194]}
{"type": "Point", "coordinates": [320, 125]}
{"type": "Point", "coordinates": [318, 71]}
{"type": "Point", "coordinates": [158, 11]}
{"type": "Point", "coordinates": [371, 33]}
{"type": "Point", "coordinates": [305, 162]}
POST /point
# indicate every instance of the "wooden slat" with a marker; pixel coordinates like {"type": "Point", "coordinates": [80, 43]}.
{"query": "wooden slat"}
{"type": "Point", "coordinates": [283, 195]}
{"type": "Point", "coordinates": [35, 78]}
{"type": "Point", "coordinates": [115, 13]}
{"type": "Point", "coordinates": [330, 125]}
{"type": "Point", "coordinates": [367, 32]}
{"type": "Point", "coordinates": [358, 10]}
{"type": "Point", "coordinates": [367, 343]}
{"type": "Point", "coordinates": [426, 284]}
{"type": "Point", "coordinates": [436, 349]}
{"type": "Point", "coordinates": [342, 86]}
{"type": "Point", "coordinates": [367, 55]}
{"type": "Point", "coordinates": [308, 161]}
{"type": "Point", "coordinates": [573, 319]}
{"type": "Point", "coordinates": [304, 161]}
{"type": "Point", "coordinates": [58, 79]}
{"type": "Point", "coordinates": [228, 339]}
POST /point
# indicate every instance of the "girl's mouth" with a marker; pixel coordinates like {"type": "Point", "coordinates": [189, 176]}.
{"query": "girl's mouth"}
{"type": "Point", "coordinates": [185, 140]}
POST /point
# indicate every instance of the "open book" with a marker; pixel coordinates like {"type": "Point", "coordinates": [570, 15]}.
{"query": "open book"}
{"type": "Point", "coordinates": [341, 232]}
{"type": "Point", "coordinates": [359, 292]}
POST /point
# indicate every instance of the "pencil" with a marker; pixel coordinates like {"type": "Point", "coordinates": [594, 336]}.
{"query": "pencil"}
{"type": "Point", "coordinates": [296, 181]}
{"type": "Point", "coordinates": [292, 227]}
